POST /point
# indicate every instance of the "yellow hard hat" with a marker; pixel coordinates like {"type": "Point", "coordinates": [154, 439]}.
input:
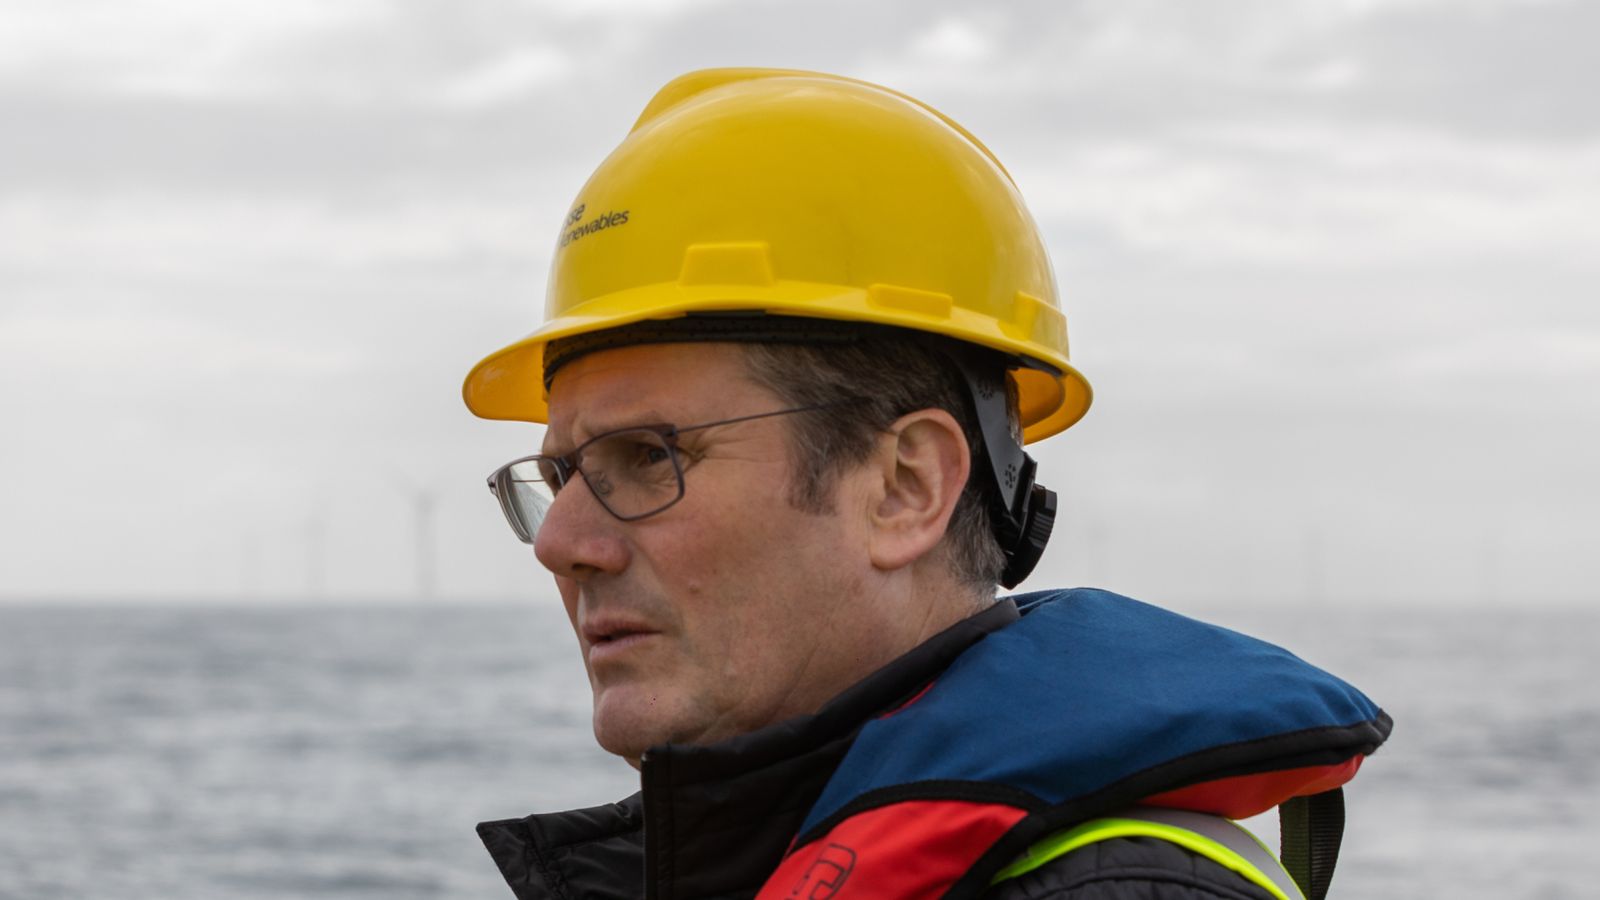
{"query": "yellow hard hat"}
{"type": "Point", "coordinates": [806, 195]}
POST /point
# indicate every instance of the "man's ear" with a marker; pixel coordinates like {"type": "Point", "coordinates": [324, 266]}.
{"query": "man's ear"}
{"type": "Point", "coordinates": [922, 461]}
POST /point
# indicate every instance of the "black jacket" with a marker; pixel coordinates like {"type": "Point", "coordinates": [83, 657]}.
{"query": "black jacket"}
{"type": "Point", "coordinates": [711, 823]}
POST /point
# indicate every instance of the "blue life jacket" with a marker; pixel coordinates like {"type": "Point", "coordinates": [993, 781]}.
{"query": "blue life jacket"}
{"type": "Point", "coordinates": [1090, 702]}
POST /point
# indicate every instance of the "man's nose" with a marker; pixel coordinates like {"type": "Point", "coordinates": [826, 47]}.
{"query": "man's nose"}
{"type": "Point", "coordinates": [578, 537]}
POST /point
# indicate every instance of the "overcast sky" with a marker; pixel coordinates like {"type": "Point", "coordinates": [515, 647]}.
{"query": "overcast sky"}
{"type": "Point", "coordinates": [1331, 267]}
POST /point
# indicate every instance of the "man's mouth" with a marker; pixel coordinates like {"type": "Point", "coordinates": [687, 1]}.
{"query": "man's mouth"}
{"type": "Point", "coordinates": [607, 638]}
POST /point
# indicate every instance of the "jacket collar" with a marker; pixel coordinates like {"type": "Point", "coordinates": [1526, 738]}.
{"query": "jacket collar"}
{"type": "Point", "coordinates": [714, 821]}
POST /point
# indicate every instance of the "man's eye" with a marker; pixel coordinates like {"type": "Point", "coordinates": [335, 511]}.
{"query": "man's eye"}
{"type": "Point", "coordinates": [633, 457]}
{"type": "Point", "coordinates": [647, 455]}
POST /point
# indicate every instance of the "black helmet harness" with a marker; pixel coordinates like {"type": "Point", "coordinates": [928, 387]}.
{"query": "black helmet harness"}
{"type": "Point", "coordinates": [1022, 511]}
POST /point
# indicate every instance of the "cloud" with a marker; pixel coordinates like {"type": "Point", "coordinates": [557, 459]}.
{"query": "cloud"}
{"type": "Point", "coordinates": [360, 53]}
{"type": "Point", "coordinates": [183, 47]}
{"type": "Point", "coordinates": [1334, 75]}
{"type": "Point", "coordinates": [1145, 65]}
{"type": "Point", "coordinates": [1539, 356]}
{"type": "Point", "coordinates": [621, 11]}
{"type": "Point", "coordinates": [506, 77]}
{"type": "Point", "coordinates": [121, 347]}
{"type": "Point", "coordinates": [1309, 193]}
{"type": "Point", "coordinates": [142, 232]}
{"type": "Point", "coordinates": [953, 41]}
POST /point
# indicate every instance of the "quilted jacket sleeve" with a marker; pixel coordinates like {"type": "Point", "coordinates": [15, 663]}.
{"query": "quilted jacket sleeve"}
{"type": "Point", "coordinates": [1128, 869]}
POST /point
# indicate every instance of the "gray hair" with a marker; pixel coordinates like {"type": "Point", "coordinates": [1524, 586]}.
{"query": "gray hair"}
{"type": "Point", "coordinates": [887, 376]}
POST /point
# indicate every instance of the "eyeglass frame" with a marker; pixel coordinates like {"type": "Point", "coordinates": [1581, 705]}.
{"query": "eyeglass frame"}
{"type": "Point", "coordinates": [568, 463]}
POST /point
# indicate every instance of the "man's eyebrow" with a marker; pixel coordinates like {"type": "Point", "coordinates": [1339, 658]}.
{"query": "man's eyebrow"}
{"type": "Point", "coordinates": [601, 423]}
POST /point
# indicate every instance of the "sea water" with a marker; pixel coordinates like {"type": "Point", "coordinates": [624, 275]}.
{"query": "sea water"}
{"type": "Point", "coordinates": [188, 751]}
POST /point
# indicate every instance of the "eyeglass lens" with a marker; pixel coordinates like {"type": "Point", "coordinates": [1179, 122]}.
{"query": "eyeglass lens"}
{"type": "Point", "coordinates": [632, 473]}
{"type": "Point", "coordinates": [525, 495]}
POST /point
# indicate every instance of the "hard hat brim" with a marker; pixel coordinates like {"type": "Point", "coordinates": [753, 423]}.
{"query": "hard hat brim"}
{"type": "Point", "coordinates": [509, 383]}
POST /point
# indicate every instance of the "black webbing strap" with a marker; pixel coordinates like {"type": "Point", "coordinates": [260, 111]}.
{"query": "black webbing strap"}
{"type": "Point", "coordinates": [1310, 829]}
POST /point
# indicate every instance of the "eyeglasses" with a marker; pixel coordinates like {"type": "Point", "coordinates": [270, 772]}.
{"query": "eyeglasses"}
{"type": "Point", "coordinates": [634, 473]}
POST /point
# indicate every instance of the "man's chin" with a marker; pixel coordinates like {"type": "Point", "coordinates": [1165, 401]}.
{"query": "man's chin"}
{"type": "Point", "coordinates": [630, 719]}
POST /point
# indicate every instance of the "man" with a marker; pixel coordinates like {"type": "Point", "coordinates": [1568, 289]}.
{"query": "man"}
{"type": "Point", "coordinates": [798, 329]}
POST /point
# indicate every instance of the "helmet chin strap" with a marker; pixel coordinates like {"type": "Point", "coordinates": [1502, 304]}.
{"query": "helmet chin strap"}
{"type": "Point", "coordinates": [1023, 513]}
